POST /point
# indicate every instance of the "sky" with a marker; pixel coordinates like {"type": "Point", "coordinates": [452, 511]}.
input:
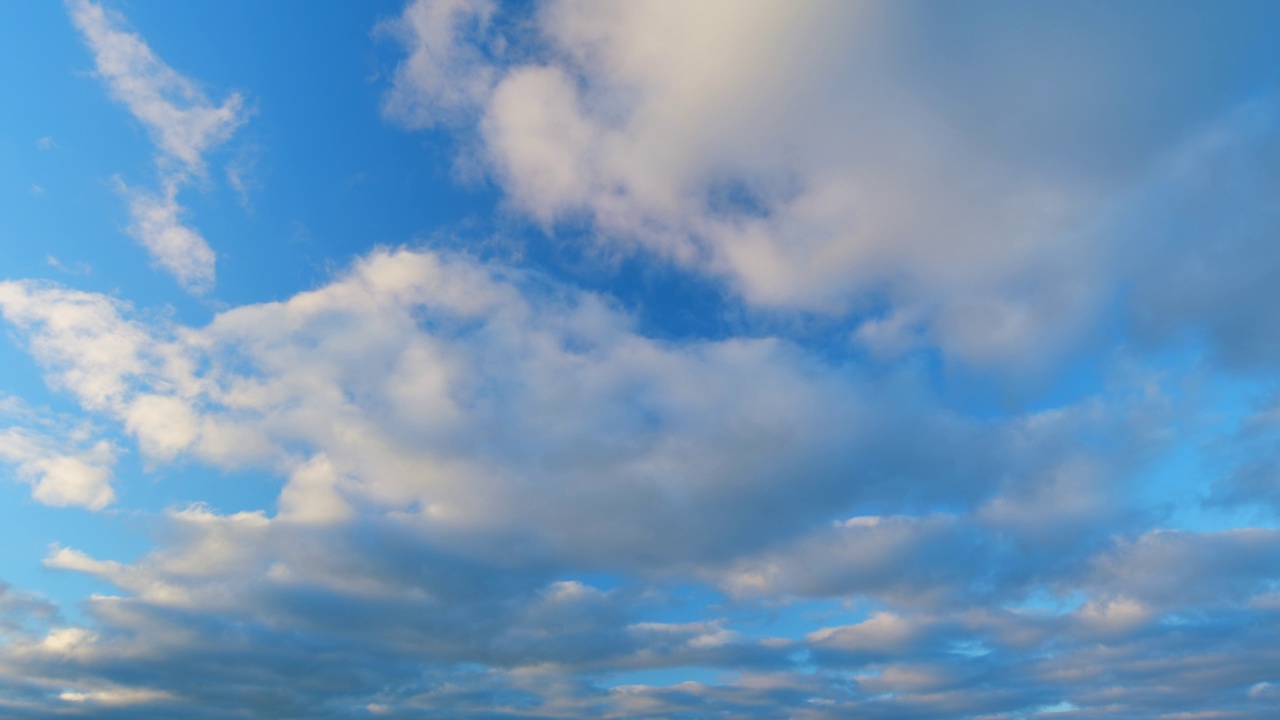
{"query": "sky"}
{"type": "Point", "coordinates": [645, 359]}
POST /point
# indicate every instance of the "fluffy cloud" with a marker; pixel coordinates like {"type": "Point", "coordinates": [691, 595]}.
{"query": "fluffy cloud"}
{"type": "Point", "coordinates": [822, 158]}
{"type": "Point", "coordinates": [476, 398]}
{"type": "Point", "coordinates": [499, 497]}
{"type": "Point", "coordinates": [459, 442]}
{"type": "Point", "coordinates": [60, 458]}
{"type": "Point", "coordinates": [451, 390]}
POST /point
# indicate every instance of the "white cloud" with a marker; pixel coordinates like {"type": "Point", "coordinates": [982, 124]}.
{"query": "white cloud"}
{"type": "Point", "coordinates": [821, 157]}
{"type": "Point", "coordinates": [178, 249]}
{"type": "Point", "coordinates": [445, 73]}
{"type": "Point", "coordinates": [463, 448]}
{"type": "Point", "coordinates": [121, 697]}
{"type": "Point", "coordinates": [464, 395]}
{"type": "Point", "coordinates": [438, 383]}
{"type": "Point", "coordinates": [882, 632]}
{"type": "Point", "coordinates": [82, 336]}
{"type": "Point", "coordinates": [182, 120]}
{"type": "Point", "coordinates": [312, 494]}
{"type": "Point", "coordinates": [459, 442]}
{"type": "Point", "coordinates": [60, 460]}
{"type": "Point", "coordinates": [183, 123]}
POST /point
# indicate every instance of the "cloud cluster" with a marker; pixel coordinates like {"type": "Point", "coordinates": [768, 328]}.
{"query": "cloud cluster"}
{"type": "Point", "coordinates": [478, 398]}
{"type": "Point", "coordinates": [826, 158]}
{"type": "Point", "coordinates": [436, 636]}
{"type": "Point", "coordinates": [463, 445]}
{"type": "Point", "coordinates": [183, 123]}
{"type": "Point", "coordinates": [498, 497]}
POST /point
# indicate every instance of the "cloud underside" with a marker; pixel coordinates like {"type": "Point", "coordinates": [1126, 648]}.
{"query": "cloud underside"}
{"type": "Point", "coordinates": [463, 446]}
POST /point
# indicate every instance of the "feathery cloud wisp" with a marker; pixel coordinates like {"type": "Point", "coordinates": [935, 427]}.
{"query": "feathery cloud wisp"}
{"type": "Point", "coordinates": [183, 123]}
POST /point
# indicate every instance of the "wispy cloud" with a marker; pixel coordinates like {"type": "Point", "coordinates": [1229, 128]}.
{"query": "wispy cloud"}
{"type": "Point", "coordinates": [77, 268]}
{"type": "Point", "coordinates": [183, 123]}
{"type": "Point", "coordinates": [182, 120]}
{"type": "Point", "coordinates": [176, 247]}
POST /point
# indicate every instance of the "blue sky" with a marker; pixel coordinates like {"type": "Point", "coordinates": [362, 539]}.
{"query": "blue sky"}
{"type": "Point", "coordinates": [470, 359]}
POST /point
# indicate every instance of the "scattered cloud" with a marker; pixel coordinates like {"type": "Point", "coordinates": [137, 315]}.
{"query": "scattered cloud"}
{"type": "Point", "coordinates": [426, 382]}
{"type": "Point", "coordinates": [492, 492]}
{"type": "Point", "coordinates": [456, 440]}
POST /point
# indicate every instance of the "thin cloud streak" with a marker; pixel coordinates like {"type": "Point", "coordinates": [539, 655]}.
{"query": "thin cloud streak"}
{"type": "Point", "coordinates": [184, 125]}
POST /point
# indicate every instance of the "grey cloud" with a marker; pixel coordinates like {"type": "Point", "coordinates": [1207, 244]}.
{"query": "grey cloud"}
{"type": "Point", "coordinates": [1208, 221]}
{"type": "Point", "coordinates": [1184, 570]}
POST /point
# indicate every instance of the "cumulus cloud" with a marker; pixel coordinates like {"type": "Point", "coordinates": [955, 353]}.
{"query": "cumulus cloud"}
{"type": "Point", "coordinates": [463, 394]}
{"type": "Point", "coordinates": [499, 496]}
{"type": "Point", "coordinates": [183, 123]}
{"type": "Point", "coordinates": [458, 442]}
{"type": "Point", "coordinates": [58, 457]}
{"type": "Point", "coordinates": [487, 400]}
{"type": "Point", "coordinates": [446, 75]}
{"type": "Point", "coordinates": [821, 158]}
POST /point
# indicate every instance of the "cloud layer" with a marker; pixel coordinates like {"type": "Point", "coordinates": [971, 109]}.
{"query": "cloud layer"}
{"type": "Point", "coordinates": [497, 494]}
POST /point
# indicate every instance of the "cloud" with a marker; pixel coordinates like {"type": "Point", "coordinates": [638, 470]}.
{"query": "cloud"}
{"type": "Point", "coordinates": [471, 396]}
{"type": "Point", "coordinates": [499, 496]}
{"type": "Point", "coordinates": [58, 457]}
{"type": "Point", "coordinates": [175, 247]}
{"type": "Point", "coordinates": [445, 74]}
{"type": "Point", "coordinates": [460, 445]}
{"type": "Point", "coordinates": [471, 420]}
{"type": "Point", "coordinates": [181, 119]}
{"type": "Point", "coordinates": [183, 123]}
{"type": "Point", "coordinates": [1212, 214]}
{"type": "Point", "coordinates": [78, 268]}
{"type": "Point", "coordinates": [822, 158]}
